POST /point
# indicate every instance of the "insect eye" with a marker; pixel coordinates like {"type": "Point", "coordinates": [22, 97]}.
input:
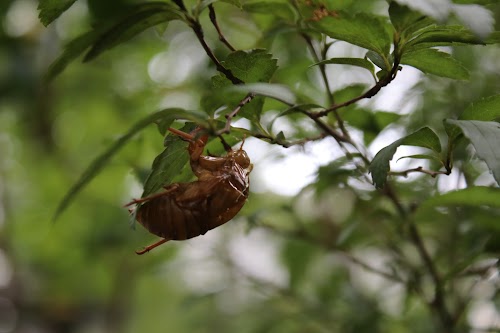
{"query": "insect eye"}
{"type": "Point", "coordinates": [242, 158]}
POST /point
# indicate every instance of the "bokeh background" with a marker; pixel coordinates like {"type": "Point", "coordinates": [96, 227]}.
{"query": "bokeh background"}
{"type": "Point", "coordinates": [255, 274]}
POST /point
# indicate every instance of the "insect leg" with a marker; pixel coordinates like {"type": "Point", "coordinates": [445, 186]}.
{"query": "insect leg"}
{"type": "Point", "coordinates": [183, 135]}
{"type": "Point", "coordinates": [152, 246]}
{"type": "Point", "coordinates": [169, 189]}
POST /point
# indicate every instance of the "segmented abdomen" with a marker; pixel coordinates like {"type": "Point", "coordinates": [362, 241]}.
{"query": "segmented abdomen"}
{"type": "Point", "coordinates": [168, 217]}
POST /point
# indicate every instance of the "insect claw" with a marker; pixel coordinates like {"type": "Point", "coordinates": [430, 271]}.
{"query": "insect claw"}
{"type": "Point", "coordinates": [152, 246]}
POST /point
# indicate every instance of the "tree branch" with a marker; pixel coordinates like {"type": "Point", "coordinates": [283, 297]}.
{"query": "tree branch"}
{"type": "Point", "coordinates": [213, 18]}
{"type": "Point", "coordinates": [420, 169]}
{"type": "Point", "coordinates": [368, 94]}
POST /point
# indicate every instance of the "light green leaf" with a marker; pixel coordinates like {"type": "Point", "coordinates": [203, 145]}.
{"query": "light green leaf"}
{"type": "Point", "coordinates": [98, 164]}
{"type": "Point", "coordinates": [276, 91]}
{"type": "Point", "coordinates": [486, 109]}
{"type": "Point", "coordinates": [435, 35]}
{"type": "Point", "coordinates": [359, 62]}
{"type": "Point", "coordinates": [473, 196]}
{"type": "Point", "coordinates": [431, 61]}
{"type": "Point", "coordinates": [363, 30]}
{"type": "Point", "coordinates": [485, 137]}
{"type": "Point", "coordinates": [282, 9]}
{"type": "Point", "coordinates": [377, 60]}
{"type": "Point", "coordinates": [421, 157]}
{"type": "Point", "coordinates": [52, 9]}
{"type": "Point", "coordinates": [379, 167]}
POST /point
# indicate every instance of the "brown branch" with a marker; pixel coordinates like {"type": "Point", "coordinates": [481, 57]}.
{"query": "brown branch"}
{"type": "Point", "coordinates": [196, 26]}
{"type": "Point", "coordinates": [213, 18]}
{"type": "Point", "coordinates": [368, 94]}
{"type": "Point", "coordinates": [438, 303]}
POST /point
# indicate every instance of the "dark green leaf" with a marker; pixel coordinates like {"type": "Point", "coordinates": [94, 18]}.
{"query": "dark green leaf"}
{"type": "Point", "coordinates": [252, 66]}
{"type": "Point", "coordinates": [96, 166]}
{"type": "Point", "coordinates": [359, 62]}
{"type": "Point", "coordinates": [52, 9]}
{"type": "Point", "coordinates": [485, 137]}
{"type": "Point", "coordinates": [71, 51]}
{"type": "Point", "coordinates": [487, 109]}
{"type": "Point", "coordinates": [431, 61]}
{"type": "Point", "coordinates": [168, 164]}
{"type": "Point", "coordinates": [379, 167]}
{"type": "Point", "coordinates": [109, 34]}
{"type": "Point", "coordinates": [142, 17]}
{"type": "Point", "coordinates": [363, 30]}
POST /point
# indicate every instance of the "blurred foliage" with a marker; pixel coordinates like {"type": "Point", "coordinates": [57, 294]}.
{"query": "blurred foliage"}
{"type": "Point", "coordinates": [413, 249]}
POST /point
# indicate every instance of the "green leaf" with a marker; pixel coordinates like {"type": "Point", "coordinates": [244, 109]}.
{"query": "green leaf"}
{"type": "Point", "coordinates": [359, 62]}
{"type": "Point", "coordinates": [252, 66]}
{"type": "Point", "coordinates": [379, 167]}
{"type": "Point", "coordinates": [421, 157]}
{"type": "Point", "coordinates": [97, 165]}
{"type": "Point", "coordinates": [108, 34]}
{"type": "Point", "coordinates": [472, 196]}
{"type": "Point", "coordinates": [71, 51]}
{"type": "Point", "coordinates": [282, 9]}
{"type": "Point", "coordinates": [377, 59]}
{"type": "Point", "coordinates": [431, 61]}
{"type": "Point", "coordinates": [487, 109]}
{"type": "Point", "coordinates": [278, 92]}
{"type": "Point", "coordinates": [485, 137]}
{"type": "Point", "coordinates": [52, 9]}
{"type": "Point", "coordinates": [169, 164]}
{"type": "Point", "coordinates": [363, 30]}
{"type": "Point", "coordinates": [435, 35]}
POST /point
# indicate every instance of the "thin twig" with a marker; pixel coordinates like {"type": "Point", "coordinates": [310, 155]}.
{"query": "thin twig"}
{"type": "Point", "coordinates": [288, 144]}
{"type": "Point", "coordinates": [232, 114]}
{"type": "Point", "coordinates": [420, 169]}
{"type": "Point", "coordinates": [213, 18]}
{"type": "Point", "coordinates": [196, 26]}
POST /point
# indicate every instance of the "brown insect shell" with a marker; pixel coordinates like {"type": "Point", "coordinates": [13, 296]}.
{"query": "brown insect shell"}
{"type": "Point", "coordinates": [190, 209]}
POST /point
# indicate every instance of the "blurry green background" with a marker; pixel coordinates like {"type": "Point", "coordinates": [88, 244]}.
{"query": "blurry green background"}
{"type": "Point", "coordinates": [80, 274]}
